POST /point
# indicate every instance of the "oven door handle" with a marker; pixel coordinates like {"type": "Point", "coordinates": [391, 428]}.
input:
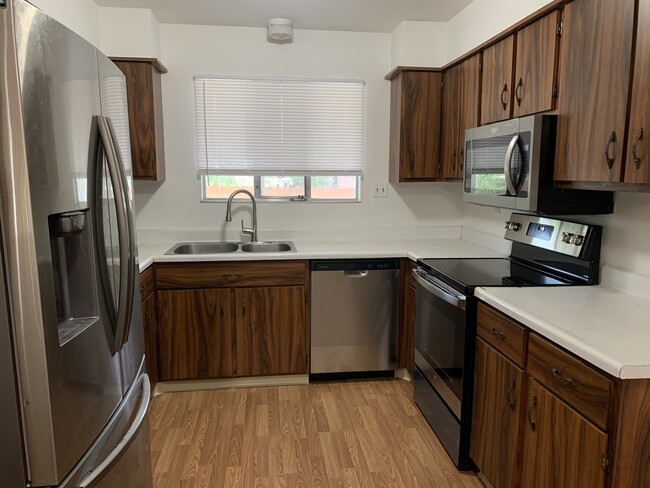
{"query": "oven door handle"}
{"type": "Point", "coordinates": [455, 300]}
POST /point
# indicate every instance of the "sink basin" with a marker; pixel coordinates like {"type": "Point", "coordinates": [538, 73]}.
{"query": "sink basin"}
{"type": "Point", "coordinates": [267, 247]}
{"type": "Point", "coordinates": [204, 248]}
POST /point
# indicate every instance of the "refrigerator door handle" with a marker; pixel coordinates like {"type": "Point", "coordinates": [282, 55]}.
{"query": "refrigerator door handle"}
{"type": "Point", "coordinates": [96, 473]}
{"type": "Point", "coordinates": [125, 238]}
{"type": "Point", "coordinates": [130, 230]}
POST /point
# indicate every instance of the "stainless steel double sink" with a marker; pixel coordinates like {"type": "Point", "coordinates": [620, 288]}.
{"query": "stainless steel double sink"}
{"type": "Point", "coordinates": [193, 248]}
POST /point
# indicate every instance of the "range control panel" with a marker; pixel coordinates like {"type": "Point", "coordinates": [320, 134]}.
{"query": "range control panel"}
{"type": "Point", "coordinates": [561, 236]}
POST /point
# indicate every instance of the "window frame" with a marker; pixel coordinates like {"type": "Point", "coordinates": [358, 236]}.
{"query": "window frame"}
{"type": "Point", "coordinates": [257, 192]}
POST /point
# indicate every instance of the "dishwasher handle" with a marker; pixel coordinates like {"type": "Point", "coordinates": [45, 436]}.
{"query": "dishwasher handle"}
{"type": "Point", "coordinates": [436, 289]}
{"type": "Point", "coordinates": [359, 273]}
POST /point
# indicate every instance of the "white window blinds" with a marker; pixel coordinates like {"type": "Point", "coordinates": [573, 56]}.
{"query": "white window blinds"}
{"type": "Point", "coordinates": [266, 126]}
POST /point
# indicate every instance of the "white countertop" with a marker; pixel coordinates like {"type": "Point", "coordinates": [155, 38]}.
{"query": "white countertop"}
{"type": "Point", "coordinates": [607, 325]}
{"type": "Point", "coordinates": [411, 248]}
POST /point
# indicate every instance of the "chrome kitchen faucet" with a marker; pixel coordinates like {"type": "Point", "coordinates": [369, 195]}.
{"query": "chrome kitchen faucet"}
{"type": "Point", "coordinates": [248, 231]}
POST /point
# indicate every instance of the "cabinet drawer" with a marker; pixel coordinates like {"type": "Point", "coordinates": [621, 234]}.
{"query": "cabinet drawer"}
{"type": "Point", "coordinates": [146, 283]}
{"type": "Point", "coordinates": [502, 333]}
{"type": "Point", "coordinates": [576, 382]}
{"type": "Point", "coordinates": [218, 275]}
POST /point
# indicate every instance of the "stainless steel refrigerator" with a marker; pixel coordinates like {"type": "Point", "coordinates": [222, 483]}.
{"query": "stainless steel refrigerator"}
{"type": "Point", "coordinates": [74, 394]}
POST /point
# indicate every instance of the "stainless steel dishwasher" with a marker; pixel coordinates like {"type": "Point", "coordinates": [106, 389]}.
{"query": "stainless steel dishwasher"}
{"type": "Point", "coordinates": [354, 307]}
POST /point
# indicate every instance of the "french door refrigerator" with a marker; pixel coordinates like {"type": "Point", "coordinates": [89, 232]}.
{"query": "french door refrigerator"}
{"type": "Point", "coordinates": [74, 399]}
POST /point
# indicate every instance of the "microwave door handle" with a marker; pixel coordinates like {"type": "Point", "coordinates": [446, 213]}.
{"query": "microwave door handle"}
{"type": "Point", "coordinates": [510, 185]}
{"type": "Point", "coordinates": [456, 301]}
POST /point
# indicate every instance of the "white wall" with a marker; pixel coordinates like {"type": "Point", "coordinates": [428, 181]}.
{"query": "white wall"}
{"type": "Point", "coordinates": [626, 233]}
{"type": "Point", "coordinates": [419, 44]}
{"type": "Point", "coordinates": [82, 16]}
{"type": "Point", "coordinates": [129, 32]}
{"type": "Point", "coordinates": [187, 50]}
{"type": "Point", "coordinates": [483, 19]}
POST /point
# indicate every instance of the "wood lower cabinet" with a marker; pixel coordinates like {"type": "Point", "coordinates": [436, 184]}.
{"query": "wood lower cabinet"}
{"type": "Point", "coordinates": [562, 449]}
{"type": "Point", "coordinates": [637, 165]}
{"type": "Point", "coordinates": [415, 108]}
{"type": "Point", "coordinates": [594, 76]}
{"type": "Point", "coordinates": [224, 320]}
{"type": "Point", "coordinates": [271, 333]}
{"type": "Point", "coordinates": [496, 96]}
{"type": "Point", "coordinates": [196, 334]}
{"type": "Point", "coordinates": [406, 330]}
{"type": "Point", "coordinates": [498, 396]}
{"type": "Point", "coordinates": [150, 326]}
{"type": "Point", "coordinates": [577, 428]}
{"type": "Point", "coordinates": [534, 84]}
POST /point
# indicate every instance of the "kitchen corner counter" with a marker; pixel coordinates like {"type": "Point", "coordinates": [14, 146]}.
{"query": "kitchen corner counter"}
{"type": "Point", "coordinates": [411, 248]}
{"type": "Point", "coordinates": [606, 325]}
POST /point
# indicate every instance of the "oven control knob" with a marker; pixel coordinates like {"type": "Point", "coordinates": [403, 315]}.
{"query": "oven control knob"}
{"type": "Point", "coordinates": [576, 239]}
{"type": "Point", "coordinates": [566, 237]}
{"type": "Point", "coordinates": [514, 226]}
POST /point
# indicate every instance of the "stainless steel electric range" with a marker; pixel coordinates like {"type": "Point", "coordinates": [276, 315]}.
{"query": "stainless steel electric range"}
{"type": "Point", "coordinates": [545, 252]}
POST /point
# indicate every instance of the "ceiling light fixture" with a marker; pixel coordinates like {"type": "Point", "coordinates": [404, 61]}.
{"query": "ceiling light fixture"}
{"type": "Point", "coordinates": [280, 30]}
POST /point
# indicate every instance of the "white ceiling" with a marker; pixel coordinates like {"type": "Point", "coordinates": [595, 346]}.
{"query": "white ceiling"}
{"type": "Point", "coordinates": [348, 15]}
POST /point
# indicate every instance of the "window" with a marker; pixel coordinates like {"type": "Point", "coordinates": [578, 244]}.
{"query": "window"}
{"type": "Point", "coordinates": [279, 138]}
{"type": "Point", "coordinates": [278, 188]}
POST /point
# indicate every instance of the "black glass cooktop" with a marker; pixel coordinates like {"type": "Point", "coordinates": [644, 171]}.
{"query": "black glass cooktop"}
{"type": "Point", "coordinates": [468, 273]}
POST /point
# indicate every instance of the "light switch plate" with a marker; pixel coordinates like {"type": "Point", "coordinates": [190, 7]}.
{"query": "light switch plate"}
{"type": "Point", "coordinates": [380, 190]}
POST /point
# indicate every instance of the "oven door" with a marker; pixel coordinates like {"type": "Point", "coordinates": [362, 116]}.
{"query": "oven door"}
{"type": "Point", "coordinates": [440, 329]}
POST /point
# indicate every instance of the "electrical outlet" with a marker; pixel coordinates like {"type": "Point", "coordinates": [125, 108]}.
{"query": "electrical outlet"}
{"type": "Point", "coordinates": [381, 190]}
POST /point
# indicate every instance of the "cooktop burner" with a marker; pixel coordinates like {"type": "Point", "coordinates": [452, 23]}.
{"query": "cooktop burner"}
{"type": "Point", "coordinates": [469, 273]}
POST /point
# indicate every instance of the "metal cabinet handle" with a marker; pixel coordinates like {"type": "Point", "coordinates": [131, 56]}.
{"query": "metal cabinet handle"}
{"type": "Point", "coordinates": [637, 160]}
{"type": "Point", "coordinates": [496, 332]}
{"type": "Point", "coordinates": [567, 381]}
{"type": "Point", "coordinates": [511, 388]}
{"type": "Point", "coordinates": [533, 404]}
{"type": "Point", "coordinates": [504, 103]}
{"type": "Point", "coordinates": [143, 288]}
{"type": "Point", "coordinates": [520, 85]}
{"type": "Point", "coordinates": [610, 141]}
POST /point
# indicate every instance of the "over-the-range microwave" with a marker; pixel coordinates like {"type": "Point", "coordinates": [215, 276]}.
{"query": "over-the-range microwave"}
{"type": "Point", "coordinates": [510, 165]}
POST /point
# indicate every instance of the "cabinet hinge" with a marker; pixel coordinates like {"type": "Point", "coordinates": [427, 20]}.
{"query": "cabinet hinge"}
{"type": "Point", "coordinates": [555, 91]}
{"type": "Point", "coordinates": [560, 29]}
{"type": "Point", "coordinates": [607, 462]}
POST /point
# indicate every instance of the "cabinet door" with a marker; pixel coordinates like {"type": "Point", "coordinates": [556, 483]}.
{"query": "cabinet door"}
{"type": "Point", "coordinates": [498, 395]}
{"type": "Point", "coordinates": [469, 103]}
{"type": "Point", "coordinates": [450, 123]}
{"type": "Point", "coordinates": [637, 166]}
{"type": "Point", "coordinates": [196, 334]}
{"type": "Point", "coordinates": [143, 86]}
{"type": "Point", "coordinates": [271, 331]}
{"type": "Point", "coordinates": [406, 339]}
{"type": "Point", "coordinates": [150, 326]}
{"type": "Point", "coordinates": [562, 449]}
{"type": "Point", "coordinates": [594, 70]}
{"type": "Point", "coordinates": [497, 81]}
{"type": "Point", "coordinates": [535, 72]}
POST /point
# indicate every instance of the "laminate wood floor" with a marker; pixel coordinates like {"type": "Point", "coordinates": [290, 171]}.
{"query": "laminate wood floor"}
{"type": "Point", "coordinates": [343, 434]}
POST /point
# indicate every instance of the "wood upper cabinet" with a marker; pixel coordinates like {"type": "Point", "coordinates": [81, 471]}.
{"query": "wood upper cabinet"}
{"type": "Point", "coordinates": [562, 449]}
{"type": "Point", "coordinates": [498, 396]}
{"type": "Point", "coordinates": [461, 103]}
{"type": "Point", "coordinates": [637, 165]}
{"type": "Point", "coordinates": [196, 334]}
{"type": "Point", "coordinates": [496, 96]}
{"type": "Point", "coordinates": [415, 108]}
{"type": "Point", "coordinates": [535, 66]}
{"type": "Point", "coordinates": [271, 332]}
{"type": "Point", "coordinates": [594, 71]}
{"type": "Point", "coordinates": [144, 94]}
